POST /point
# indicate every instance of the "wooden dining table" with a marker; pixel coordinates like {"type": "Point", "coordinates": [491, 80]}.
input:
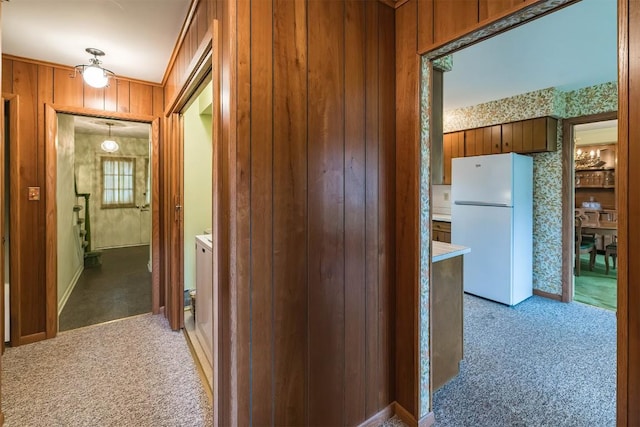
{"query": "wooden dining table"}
{"type": "Point", "coordinates": [603, 228]}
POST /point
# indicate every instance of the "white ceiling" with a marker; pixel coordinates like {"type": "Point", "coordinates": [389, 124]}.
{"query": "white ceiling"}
{"type": "Point", "coordinates": [569, 49]}
{"type": "Point", "coordinates": [138, 36]}
{"type": "Point", "coordinates": [119, 128]}
{"type": "Point", "coordinates": [604, 132]}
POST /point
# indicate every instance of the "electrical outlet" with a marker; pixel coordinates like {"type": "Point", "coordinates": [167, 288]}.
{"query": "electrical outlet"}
{"type": "Point", "coordinates": [446, 197]}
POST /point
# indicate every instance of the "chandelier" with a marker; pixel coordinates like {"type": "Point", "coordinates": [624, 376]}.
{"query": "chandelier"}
{"type": "Point", "coordinates": [588, 159]}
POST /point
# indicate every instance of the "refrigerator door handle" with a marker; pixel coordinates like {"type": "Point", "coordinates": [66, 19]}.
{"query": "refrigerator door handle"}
{"type": "Point", "coordinates": [474, 203]}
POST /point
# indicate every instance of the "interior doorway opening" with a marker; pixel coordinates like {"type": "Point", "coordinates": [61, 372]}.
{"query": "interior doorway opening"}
{"type": "Point", "coordinates": [594, 151]}
{"type": "Point", "coordinates": [103, 195]}
{"type": "Point", "coordinates": [197, 191]}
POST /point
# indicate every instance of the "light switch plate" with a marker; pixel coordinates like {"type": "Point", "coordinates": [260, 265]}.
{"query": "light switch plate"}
{"type": "Point", "coordinates": [34, 193]}
{"type": "Point", "coordinates": [446, 197]}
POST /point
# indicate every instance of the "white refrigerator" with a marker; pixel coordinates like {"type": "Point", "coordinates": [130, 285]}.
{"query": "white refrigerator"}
{"type": "Point", "coordinates": [492, 213]}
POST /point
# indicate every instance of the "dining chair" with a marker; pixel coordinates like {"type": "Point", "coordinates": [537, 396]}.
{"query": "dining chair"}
{"type": "Point", "coordinates": [611, 251]}
{"type": "Point", "coordinates": [583, 246]}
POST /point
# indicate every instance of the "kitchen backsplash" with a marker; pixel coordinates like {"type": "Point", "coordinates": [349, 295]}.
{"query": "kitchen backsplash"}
{"type": "Point", "coordinates": [441, 196]}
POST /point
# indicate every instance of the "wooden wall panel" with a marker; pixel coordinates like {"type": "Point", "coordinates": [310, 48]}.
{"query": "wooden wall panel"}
{"type": "Point", "coordinates": [261, 213]}
{"type": "Point", "coordinates": [243, 215]}
{"type": "Point", "coordinates": [355, 209]}
{"type": "Point", "coordinates": [31, 289]}
{"type": "Point", "coordinates": [311, 211]}
{"type": "Point", "coordinates": [7, 75]}
{"type": "Point", "coordinates": [93, 97]}
{"type": "Point", "coordinates": [123, 101]}
{"type": "Point", "coordinates": [195, 32]}
{"type": "Point", "coordinates": [373, 360]}
{"type": "Point", "coordinates": [450, 18]}
{"type": "Point", "coordinates": [68, 91]}
{"type": "Point", "coordinates": [140, 99]}
{"type": "Point", "coordinates": [290, 250]}
{"type": "Point", "coordinates": [326, 213]}
{"type": "Point", "coordinates": [407, 155]}
{"type": "Point", "coordinates": [111, 96]}
{"type": "Point", "coordinates": [386, 279]}
{"type": "Point", "coordinates": [158, 102]}
{"type": "Point", "coordinates": [38, 84]}
{"type": "Point", "coordinates": [425, 24]}
{"type": "Point", "coordinates": [488, 9]}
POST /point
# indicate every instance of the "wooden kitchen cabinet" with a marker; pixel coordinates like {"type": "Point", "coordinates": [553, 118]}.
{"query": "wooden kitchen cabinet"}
{"type": "Point", "coordinates": [452, 147]}
{"type": "Point", "coordinates": [539, 135]}
{"type": "Point", "coordinates": [496, 139]}
{"type": "Point", "coordinates": [441, 231]}
{"type": "Point", "coordinates": [530, 136]}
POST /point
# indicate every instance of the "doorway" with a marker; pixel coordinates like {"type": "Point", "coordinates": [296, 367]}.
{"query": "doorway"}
{"type": "Point", "coordinates": [594, 156]}
{"type": "Point", "coordinates": [104, 220]}
{"type": "Point", "coordinates": [557, 100]}
{"type": "Point", "coordinates": [197, 173]}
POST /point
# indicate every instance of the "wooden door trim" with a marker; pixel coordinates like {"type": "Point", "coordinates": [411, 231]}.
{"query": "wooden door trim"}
{"type": "Point", "coordinates": [155, 215]}
{"type": "Point", "coordinates": [51, 277]}
{"type": "Point", "coordinates": [14, 259]}
{"type": "Point", "coordinates": [568, 196]}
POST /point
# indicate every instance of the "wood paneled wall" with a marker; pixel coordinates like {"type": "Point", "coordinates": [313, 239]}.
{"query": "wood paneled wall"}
{"type": "Point", "coordinates": [407, 207]}
{"type": "Point", "coordinates": [310, 140]}
{"type": "Point", "coordinates": [194, 40]}
{"type": "Point", "coordinates": [36, 84]}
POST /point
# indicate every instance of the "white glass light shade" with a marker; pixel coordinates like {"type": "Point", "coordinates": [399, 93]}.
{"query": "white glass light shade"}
{"type": "Point", "coordinates": [109, 145]}
{"type": "Point", "coordinates": [95, 76]}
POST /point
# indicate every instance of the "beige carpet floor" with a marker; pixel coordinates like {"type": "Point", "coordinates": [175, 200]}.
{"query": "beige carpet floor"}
{"type": "Point", "coordinates": [132, 372]}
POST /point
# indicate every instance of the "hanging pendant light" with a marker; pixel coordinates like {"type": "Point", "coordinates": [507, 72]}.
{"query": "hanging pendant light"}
{"type": "Point", "coordinates": [94, 74]}
{"type": "Point", "coordinates": [109, 145]}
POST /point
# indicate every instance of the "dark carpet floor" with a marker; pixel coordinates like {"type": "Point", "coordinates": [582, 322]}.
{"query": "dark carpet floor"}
{"type": "Point", "coordinates": [120, 287]}
{"type": "Point", "coordinates": [540, 363]}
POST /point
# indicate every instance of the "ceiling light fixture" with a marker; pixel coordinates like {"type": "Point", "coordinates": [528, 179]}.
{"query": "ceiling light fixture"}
{"type": "Point", "coordinates": [93, 74]}
{"type": "Point", "coordinates": [109, 145]}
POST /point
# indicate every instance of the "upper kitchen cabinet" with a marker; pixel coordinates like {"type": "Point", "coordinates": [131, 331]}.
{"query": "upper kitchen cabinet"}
{"type": "Point", "coordinates": [453, 17]}
{"type": "Point", "coordinates": [530, 136]}
{"type": "Point", "coordinates": [485, 140]}
{"type": "Point", "coordinates": [452, 147]}
{"type": "Point", "coordinates": [489, 9]}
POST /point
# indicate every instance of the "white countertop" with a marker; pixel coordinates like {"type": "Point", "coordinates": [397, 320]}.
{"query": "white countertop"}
{"type": "Point", "coordinates": [205, 239]}
{"type": "Point", "coordinates": [441, 217]}
{"type": "Point", "coordinates": [442, 251]}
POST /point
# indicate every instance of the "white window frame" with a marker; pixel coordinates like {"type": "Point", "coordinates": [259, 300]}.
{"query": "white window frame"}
{"type": "Point", "coordinates": [123, 195]}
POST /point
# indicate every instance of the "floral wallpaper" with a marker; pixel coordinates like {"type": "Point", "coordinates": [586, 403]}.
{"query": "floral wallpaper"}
{"type": "Point", "coordinates": [425, 238]}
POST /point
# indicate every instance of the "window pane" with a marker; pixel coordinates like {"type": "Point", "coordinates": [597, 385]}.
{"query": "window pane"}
{"type": "Point", "coordinates": [118, 181]}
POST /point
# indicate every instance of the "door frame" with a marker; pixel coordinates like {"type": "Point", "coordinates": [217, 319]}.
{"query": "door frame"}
{"type": "Point", "coordinates": [51, 154]}
{"type": "Point", "coordinates": [628, 321]}
{"type": "Point", "coordinates": [174, 182]}
{"type": "Point", "coordinates": [568, 196]}
{"type": "Point", "coordinates": [13, 226]}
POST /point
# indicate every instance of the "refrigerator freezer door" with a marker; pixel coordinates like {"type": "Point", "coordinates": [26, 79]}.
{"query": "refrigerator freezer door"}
{"type": "Point", "coordinates": [484, 179]}
{"type": "Point", "coordinates": [487, 230]}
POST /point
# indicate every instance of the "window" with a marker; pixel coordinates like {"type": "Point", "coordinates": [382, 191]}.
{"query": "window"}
{"type": "Point", "coordinates": [118, 177]}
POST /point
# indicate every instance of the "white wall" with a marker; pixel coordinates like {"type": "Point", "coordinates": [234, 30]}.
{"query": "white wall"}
{"type": "Point", "coordinates": [197, 179]}
{"type": "Point", "coordinates": [116, 227]}
{"type": "Point", "coordinates": [70, 253]}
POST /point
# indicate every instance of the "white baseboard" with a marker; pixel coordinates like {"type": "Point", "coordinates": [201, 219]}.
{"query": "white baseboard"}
{"type": "Point", "coordinates": [67, 293]}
